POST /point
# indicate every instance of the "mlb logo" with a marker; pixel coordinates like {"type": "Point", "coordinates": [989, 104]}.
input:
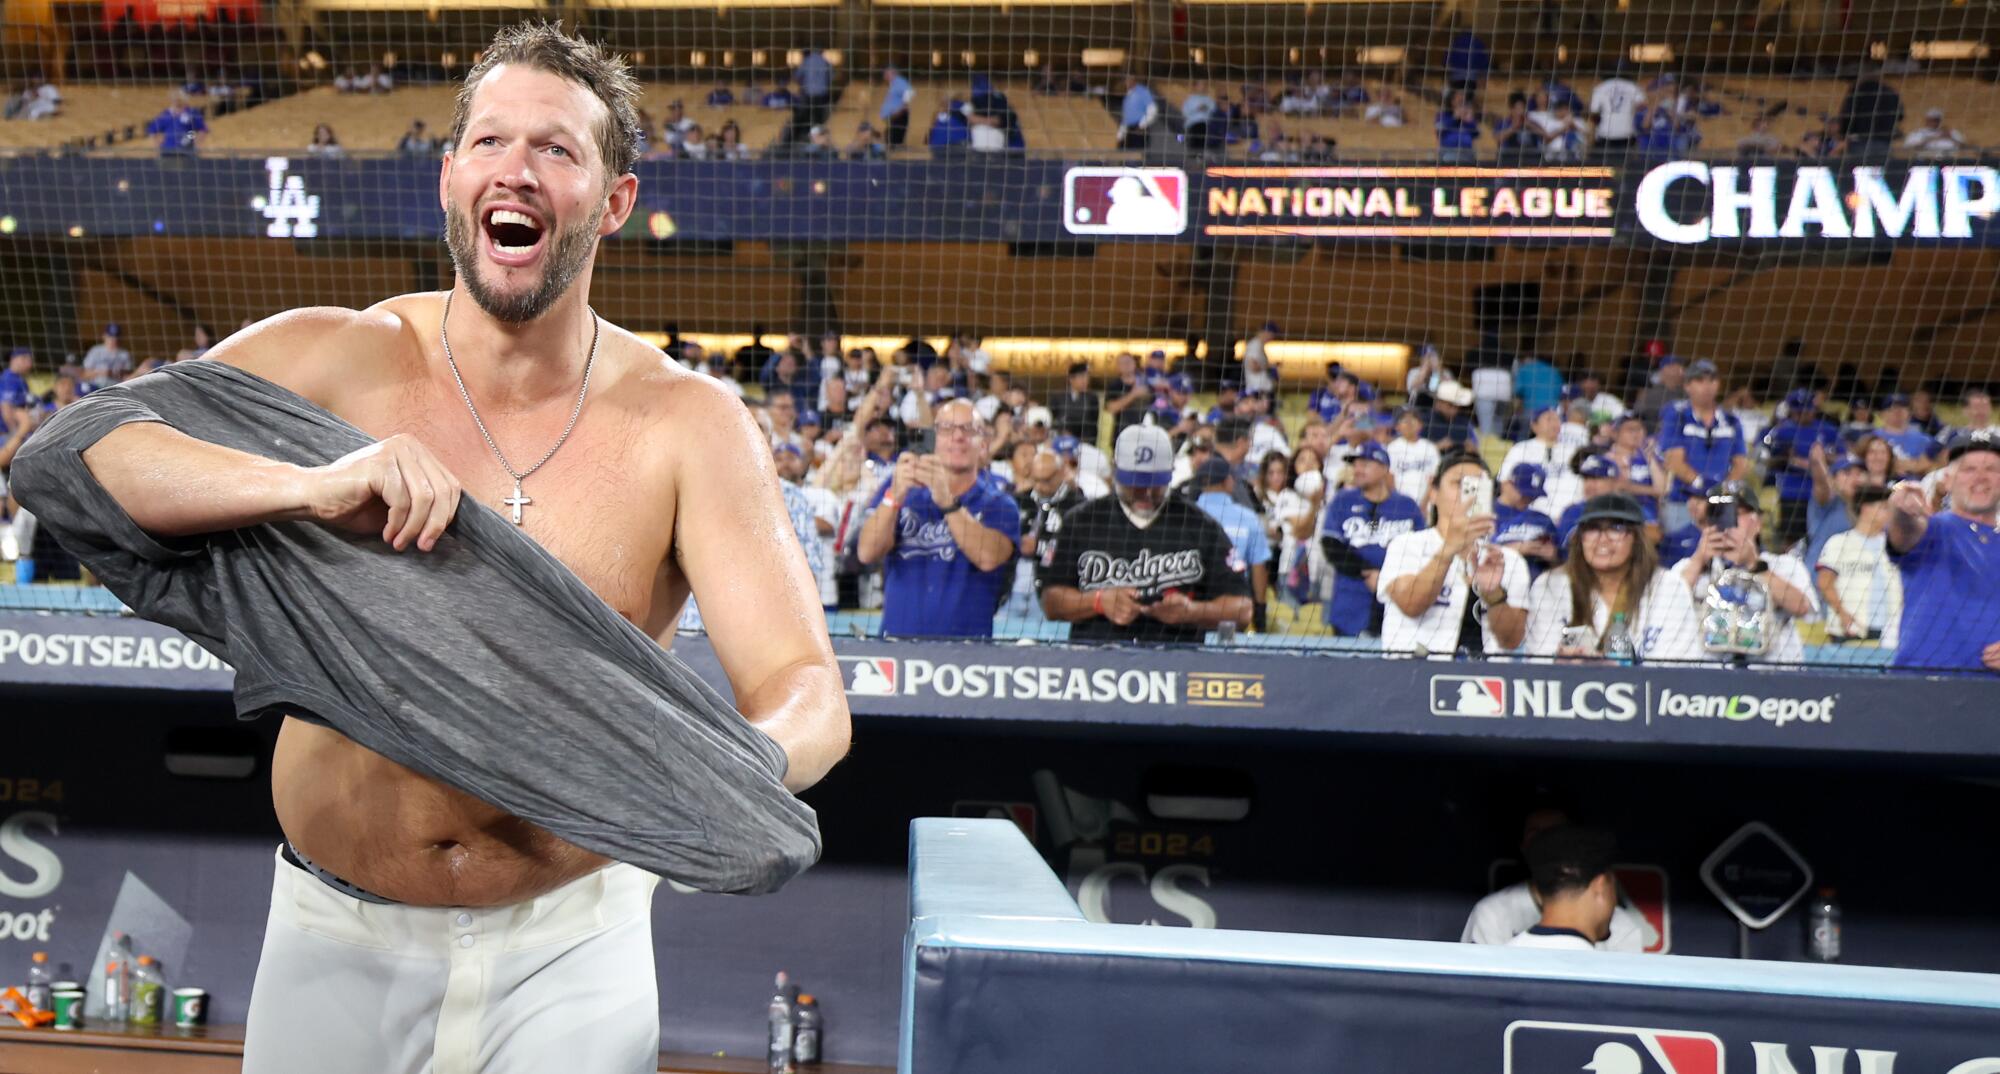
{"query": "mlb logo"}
{"type": "Point", "coordinates": [869, 676]}
{"type": "Point", "coordinates": [1125, 201]}
{"type": "Point", "coordinates": [1468, 695]}
{"type": "Point", "coordinates": [1553, 1047]}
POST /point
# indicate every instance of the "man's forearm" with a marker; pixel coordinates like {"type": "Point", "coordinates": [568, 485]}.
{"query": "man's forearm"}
{"type": "Point", "coordinates": [1510, 625]}
{"type": "Point", "coordinates": [1067, 604]}
{"type": "Point", "coordinates": [1415, 592]}
{"type": "Point", "coordinates": [1906, 530]}
{"type": "Point", "coordinates": [804, 709]}
{"type": "Point", "coordinates": [1214, 613]}
{"type": "Point", "coordinates": [985, 546]}
{"type": "Point", "coordinates": [174, 485]}
{"type": "Point", "coordinates": [878, 534]}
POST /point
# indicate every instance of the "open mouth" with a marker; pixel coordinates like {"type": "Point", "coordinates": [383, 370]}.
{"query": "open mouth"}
{"type": "Point", "coordinates": [513, 234]}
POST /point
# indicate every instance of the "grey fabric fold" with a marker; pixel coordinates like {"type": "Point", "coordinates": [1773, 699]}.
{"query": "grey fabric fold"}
{"type": "Point", "coordinates": [485, 664]}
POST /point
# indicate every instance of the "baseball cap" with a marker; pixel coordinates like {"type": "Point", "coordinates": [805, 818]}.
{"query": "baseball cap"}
{"type": "Point", "coordinates": [1799, 399]}
{"type": "Point", "coordinates": [1272, 327]}
{"type": "Point", "coordinates": [1976, 442]}
{"type": "Point", "coordinates": [1143, 457]}
{"type": "Point", "coordinates": [1702, 368]}
{"type": "Point", "coordinates": [1671, 359]}
{"type": "Point", "coordinates": [808, 417]}
{"type": "Point", "coordinates": [1611, 507]}
{"type": "Point", "coordinates": [1161, 355]}
{"type": "Point", "coordinates": [1076, 368]}
{"type": "Point", "coordinates": [1539, 411]}
{"type": "Point", "coordinates": [1180, 382]}
{"type": "Point", "coordinates": [1229, 382]}
{"type": "Point", "coordinates": [1895, 399]}
{"type": "Point", "coordinates": [1064, 445]}
{"type": "Point", "coordinates": [111, 329]}
{"type": "Point", "coordinates": [18, 351]}
{"type": "Point", "coordinates": [1596, 465]}
{"type": "Point", "coordinates": [1213, 470]}
{"type": "Point", "coordinates": [1843, 464]}
{"type": "Point", "coordinates": [1530, 479]}
{"type": "Point", "coordinates": [1038, 415]}
{"type": "Point", "coordinates": [788, 448]}
{"type": "Point", "coordinates": [1935, 113]}
{"type": "Point", "coordinates": [1373, 451]}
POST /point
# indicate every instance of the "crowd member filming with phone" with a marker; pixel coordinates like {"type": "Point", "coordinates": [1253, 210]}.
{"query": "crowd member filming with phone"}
{"type": "Point", "coordinates": [1731, 537]}
{"type": "Point", "coordinates": [946, 527]}
{"type": "Point", "coordinates": [1448, 589]}
{"type": "Point", "coordinates": [1612, 575]}
{"type": "Point", "coordinates": [1950, 562]}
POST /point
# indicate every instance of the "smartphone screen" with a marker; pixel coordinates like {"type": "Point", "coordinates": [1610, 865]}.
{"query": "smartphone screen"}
{"type": "Point", "coordinates": [927, 441]}
{"type": "Point", "coordinates": [1722, 513]}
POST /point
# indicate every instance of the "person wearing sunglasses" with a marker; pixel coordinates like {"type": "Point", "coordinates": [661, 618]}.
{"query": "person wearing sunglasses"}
{"type": "Point", "coordinates": [1612, 570]}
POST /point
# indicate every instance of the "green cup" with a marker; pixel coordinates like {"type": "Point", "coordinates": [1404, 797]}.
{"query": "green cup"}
{"type": "Point", "coordinates": [190, 1007]}
{"type": "Point", "coordinates": [69, 1009]}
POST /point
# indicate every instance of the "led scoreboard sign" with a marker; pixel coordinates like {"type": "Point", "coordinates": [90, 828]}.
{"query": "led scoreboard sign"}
{"type": "Point", "coordinates": [1419, 202]}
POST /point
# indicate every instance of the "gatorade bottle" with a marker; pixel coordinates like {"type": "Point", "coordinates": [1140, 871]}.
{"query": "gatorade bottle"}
{"type": "Point", "coordinates": [1618, 643]}
{"type": "Point", "coordinates": [118, 980]}
{"type": "Point", "coordinates": [41, 983]}
{"type": "Point", "coordinates": [149, 993]}
{"type": "Point", "coordinates": [779, 1024]}
{"type": "Point", "coordinates": [805, 1038]}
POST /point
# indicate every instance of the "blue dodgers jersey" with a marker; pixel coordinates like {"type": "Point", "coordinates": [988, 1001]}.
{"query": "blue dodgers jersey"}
{"type": "Point", "coordinates": [1366, 527]}
{"type": "Point", "coordinates": [1951, 594]}
{"type": "Point", "coordinates": [1710, 448]}
{"type": "Point", "coordinates": [1519, 525]}
{"type": "Point", "coordinates": [929, 588]}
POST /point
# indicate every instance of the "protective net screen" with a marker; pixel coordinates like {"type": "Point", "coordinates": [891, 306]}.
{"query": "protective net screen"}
{"type": "Point", "coordinates": [1594, 330]}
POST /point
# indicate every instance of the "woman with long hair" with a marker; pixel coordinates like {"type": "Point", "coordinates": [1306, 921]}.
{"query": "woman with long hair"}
{"type": "Point", "coordinates": [1613, 571]}
{"type": "Point", "coordinates": [1878, 461]}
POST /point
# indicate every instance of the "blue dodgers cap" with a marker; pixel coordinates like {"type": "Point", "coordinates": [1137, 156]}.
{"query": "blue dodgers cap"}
{"type": "Point", "coordinates": [1064, 445]}
{"type": "Point", "coordinates": [1181, 383]}
{"type": "Point", "coordinates": [1160, 355]}
{"type": "Point", "coordinates": [1596, 466]}
{"type": "Point", "coordinates": [808, 417]}
{"type": "Point", "coordinates": [1843, 464]}
{"type": "Point", "coordinates": [1895, 399]}
{"type": "Point", "coordinates": [1800, 399]}
{"type": "Point", "coordinates": [1702, 368]}
{"type": "Point", "coordinates": [1530, 479]}
{"type": "Point", "coordinates": [111, 329]}
{"type": "Point", "coordinates": [1373, 451]}
{"type": "Point", "coordinates": [1671, 359]}
{"type": "Point", "coordinates": [1143, 457]}
{"type": "Point", "coordinates": [19, 351]}
{"type": "Point", "coordinates": [788, 449]}
{"type": "Point", "coordinates": [1539, 411]}
{"type": "Point", "coordinates": [1213, 470]}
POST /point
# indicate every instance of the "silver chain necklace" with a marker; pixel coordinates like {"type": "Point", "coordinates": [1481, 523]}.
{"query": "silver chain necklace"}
{"type": "Point", "coordinates": [518, 501]}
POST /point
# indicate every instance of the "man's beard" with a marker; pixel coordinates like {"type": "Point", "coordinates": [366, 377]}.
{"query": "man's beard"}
{"type": "Point", "coordinates": [569, 251]}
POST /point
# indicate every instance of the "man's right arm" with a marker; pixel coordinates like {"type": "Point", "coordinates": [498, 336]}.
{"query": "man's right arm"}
{"type": "Point", "coordinates": [174, 485]}
{"type": "Point", "coordinates": [1909, 516]}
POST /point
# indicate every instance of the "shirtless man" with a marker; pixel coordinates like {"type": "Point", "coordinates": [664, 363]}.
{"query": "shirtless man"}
{"type": "Point", "coordinates": [663, 488]}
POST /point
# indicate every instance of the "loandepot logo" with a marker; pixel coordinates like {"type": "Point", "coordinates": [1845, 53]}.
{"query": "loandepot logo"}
{"type": "Point", "coordinates": [1743, 708]}
{"type": "Point", "coordinates": [1564, 1047]}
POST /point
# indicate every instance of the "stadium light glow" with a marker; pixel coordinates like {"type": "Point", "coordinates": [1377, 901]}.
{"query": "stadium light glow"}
{"type": "Point", "coordinates": [1296, 361]}
{"type": "Point", "coordinates": [1104, 57]}
{"type": "Point", "coordinates": [1652, 53]}
{"type": "Point", "coordinates": [1381, 55]}
{"type": "Point", "coordinates": [1949, 50]}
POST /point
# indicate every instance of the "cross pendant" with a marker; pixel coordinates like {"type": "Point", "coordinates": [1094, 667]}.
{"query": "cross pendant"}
{"type": "Point", "coordinates": [517, 501]}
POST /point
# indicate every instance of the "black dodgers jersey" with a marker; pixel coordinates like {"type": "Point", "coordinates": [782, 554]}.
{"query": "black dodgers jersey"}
{"type": "Point", "coordinates": [1097, 547]}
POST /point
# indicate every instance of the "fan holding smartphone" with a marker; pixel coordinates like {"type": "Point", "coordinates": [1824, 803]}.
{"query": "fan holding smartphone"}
{"type": "Point", "coordinates": [1448, 589]}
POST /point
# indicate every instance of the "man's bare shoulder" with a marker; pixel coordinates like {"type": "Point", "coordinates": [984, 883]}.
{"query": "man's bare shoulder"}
{"type": "Point", "coordinates": [686, 406]}
{"type": "Point", "coordinates": [314, 350]}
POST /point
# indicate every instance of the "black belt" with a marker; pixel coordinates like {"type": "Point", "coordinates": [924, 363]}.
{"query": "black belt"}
{"type": "Point", "coordinates": [292, 855]}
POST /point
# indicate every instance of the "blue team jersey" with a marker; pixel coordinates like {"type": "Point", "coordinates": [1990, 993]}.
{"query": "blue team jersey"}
{"type": "Point", "coordinates": [1711, 446]}
{"type": "Point", "coordinates": [1245, 529]}
{"type": "Point", "coordinates": [1951, 594]}
{"type": "Point", "coordinates": [1679, 545]}
{"type": "Point", "coordinates": [929, 588]}
{"type": "Point", "coordinates": [1520, 525]}
{"type": "Point", "coordinates": [1367, 528]}
{"type": "Point", "coordinates": [1789, 443]}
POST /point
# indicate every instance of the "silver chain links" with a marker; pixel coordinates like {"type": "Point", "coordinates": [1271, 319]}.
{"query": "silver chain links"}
{"type": "Point", "coordinates": [596, 329]}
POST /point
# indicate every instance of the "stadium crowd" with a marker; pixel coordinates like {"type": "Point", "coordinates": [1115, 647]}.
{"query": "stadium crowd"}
{"type": "Point", "coordinates": [1514, 511]}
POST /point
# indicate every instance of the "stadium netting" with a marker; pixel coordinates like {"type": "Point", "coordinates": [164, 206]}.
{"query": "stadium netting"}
{"type": "Point", "coordinates": [1305, 239]}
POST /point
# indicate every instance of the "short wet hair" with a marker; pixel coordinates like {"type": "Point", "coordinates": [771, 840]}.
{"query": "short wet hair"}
{"type": "Point", "coordinates": [544, 46]}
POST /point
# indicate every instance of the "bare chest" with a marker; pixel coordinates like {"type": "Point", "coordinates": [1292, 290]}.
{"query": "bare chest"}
{"type": "Point", "coordinates": [606, 514]}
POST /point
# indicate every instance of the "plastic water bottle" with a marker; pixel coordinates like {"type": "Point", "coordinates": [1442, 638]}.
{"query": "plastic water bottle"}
{"type": "Point", "coordinates": [41, 983]}
{"type": "Point", "coordinates": [118, 981]}
{"type": "Point", "coordinates": [1823, 928]}
{"type": "Point", "coordinates": [805, 1039]}
{"type": "Point", "coordinates": [780, 1025]}
{"type": "Point", "coordinates": [1618, 643]}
